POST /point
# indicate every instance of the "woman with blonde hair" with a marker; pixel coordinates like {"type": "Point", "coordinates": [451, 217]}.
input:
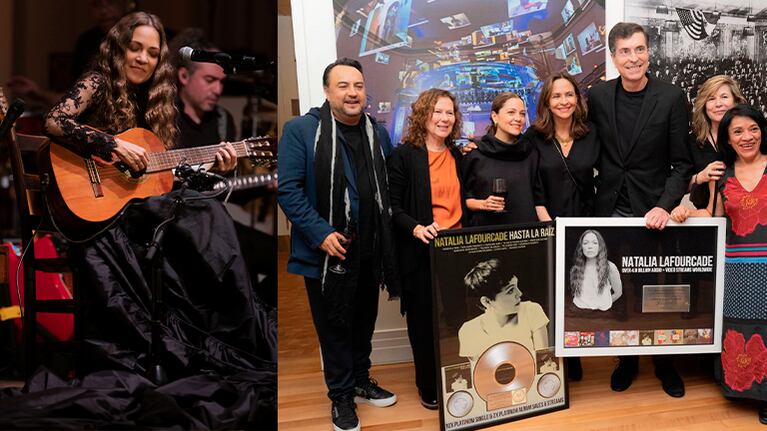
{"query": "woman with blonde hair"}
{"type": "Point", "coordinates": [426, 197]}
{"type": "Point", "coordinates": [715, 97]}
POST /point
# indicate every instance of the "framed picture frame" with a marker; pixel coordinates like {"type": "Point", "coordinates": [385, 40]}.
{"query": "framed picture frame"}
{"type": "Point", "coordinates": [623, 289]}
{"type": "Point", "coordinates": [494, 303]}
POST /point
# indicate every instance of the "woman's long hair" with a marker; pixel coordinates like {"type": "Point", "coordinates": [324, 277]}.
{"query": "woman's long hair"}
{"type": "Point", "coordinates": [422, 109]}
{"type": "Point", "coordinates": [579, 264]}
{"type": "Point", "coordinates": [701, 124]}
{"type": "Point", "coordinates": [544, 122]}
{"type": "Point", "coordinates": [120, 110]}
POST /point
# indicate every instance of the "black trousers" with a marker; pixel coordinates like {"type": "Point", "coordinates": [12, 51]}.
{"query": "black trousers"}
{"type": "Point", "coordinates": [662, 362]}
{"type": "Point", "coordinates": [346, 351]}
{"type": "Point", "coordinates": [417, 304]}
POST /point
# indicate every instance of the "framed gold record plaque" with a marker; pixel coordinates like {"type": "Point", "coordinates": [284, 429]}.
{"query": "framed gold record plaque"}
{"type": "Point", "coordinates": [494, 296]}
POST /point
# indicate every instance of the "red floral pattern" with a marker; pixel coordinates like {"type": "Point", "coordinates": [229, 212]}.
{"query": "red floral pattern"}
{"type": "Point", "coordinates": [746, 209]}
{"type": "Point", "coordinates": [743, 363]}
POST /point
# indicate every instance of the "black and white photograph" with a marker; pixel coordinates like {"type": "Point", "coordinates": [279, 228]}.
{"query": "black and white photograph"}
{"type": "Point", "coordinates": [623, 289]}
{"type": "Point", "coordinates": [693, 41]}
{"type": "Point", "coordinates": [546, 361]}
{"type": "Point", "coordinates": [456, 21]}
{"type": "Point", "coordinates": [494, 304]}
{"type": "Point", "coordinates": [457, 377]}
{"type": "Point", "coordinates": [594, 281]}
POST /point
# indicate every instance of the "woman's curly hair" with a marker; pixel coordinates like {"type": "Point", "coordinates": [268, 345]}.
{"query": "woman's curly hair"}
{"type": "Point", "coordinates": [422, 110]}
{"type": "Point", "coordinates": [121, 111]}
{"type": "Point", "coordinates": [579, 264]}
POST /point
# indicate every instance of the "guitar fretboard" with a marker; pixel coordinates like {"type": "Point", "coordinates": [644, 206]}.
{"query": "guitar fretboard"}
{"type": "Point", "coordinates": [194, 156]}
{"type": "Point", "coordinates": [248, 181]}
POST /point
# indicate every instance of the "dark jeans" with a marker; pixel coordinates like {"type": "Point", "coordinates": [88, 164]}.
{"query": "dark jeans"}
{"type": "Point", "coordinates": [346, 351]}
{"type": "Point", "coordinates": [420, 330]}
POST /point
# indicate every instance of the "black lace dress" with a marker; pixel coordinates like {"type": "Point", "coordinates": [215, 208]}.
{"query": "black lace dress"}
{"type": "Point", "coordinates": [219, 340]}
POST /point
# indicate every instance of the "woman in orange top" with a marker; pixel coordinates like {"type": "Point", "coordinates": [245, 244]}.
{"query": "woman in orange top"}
{"type": "Point", "coordinates": [426, 197]}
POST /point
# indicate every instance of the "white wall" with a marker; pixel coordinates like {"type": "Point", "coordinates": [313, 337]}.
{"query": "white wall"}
{"type": "Point", "coordinates": [315, 45]}
{"type": "Point", "coordinates": [613, 15]}
{"type": "Point", "coordinates": [287, 91]}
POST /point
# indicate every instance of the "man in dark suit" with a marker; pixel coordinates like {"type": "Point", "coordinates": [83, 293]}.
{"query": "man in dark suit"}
{"type": "Point", "coordinates": [644, 162]}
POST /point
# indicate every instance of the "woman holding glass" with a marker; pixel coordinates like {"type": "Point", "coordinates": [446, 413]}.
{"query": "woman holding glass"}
{"type": "Point", "coordinates": [426, 197]}
{"type": "Point", "coordinates": [500, 175]}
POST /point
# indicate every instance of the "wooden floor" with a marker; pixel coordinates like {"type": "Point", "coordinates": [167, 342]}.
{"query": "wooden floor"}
{"type": "Point", "coordinates": [303, 404]}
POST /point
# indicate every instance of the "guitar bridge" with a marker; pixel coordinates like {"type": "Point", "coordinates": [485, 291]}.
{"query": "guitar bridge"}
{"type": "Point", "coordinates": [95, 179]}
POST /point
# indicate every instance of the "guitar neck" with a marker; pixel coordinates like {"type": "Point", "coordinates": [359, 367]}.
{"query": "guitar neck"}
{"type": "Point", "coordinates": [248, 181]}
{"type": "Point", "coordinates": [194, 156]}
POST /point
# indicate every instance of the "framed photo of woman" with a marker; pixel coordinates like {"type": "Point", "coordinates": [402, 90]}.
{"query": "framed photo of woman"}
{"type": "Point", "coordinates": [624, 289]}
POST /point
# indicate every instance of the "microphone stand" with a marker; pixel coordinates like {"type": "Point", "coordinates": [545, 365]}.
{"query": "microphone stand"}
{"type": "Point", "coordinates": [156, 372]}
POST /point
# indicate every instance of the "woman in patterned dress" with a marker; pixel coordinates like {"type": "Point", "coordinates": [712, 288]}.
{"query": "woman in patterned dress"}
{"type": "Point", "coordinates": [742, 199]}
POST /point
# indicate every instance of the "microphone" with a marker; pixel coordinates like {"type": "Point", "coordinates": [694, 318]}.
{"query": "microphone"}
{"type": "Point", "coordinates": [13, 114]}
{"type": "Point", "coordinates": [238, 62]}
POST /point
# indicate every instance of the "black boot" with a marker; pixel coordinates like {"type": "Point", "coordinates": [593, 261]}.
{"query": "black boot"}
{"type": "Point", "coordinates": [763, 412]}
{"type": "Point", "coordinates": [574, 369]}
{"type": "Point", "coordinates": [670, 380]}
{"type": "Point", "coordinates": [623, 376]}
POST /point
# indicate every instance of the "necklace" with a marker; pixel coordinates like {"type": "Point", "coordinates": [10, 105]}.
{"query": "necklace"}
{"type": "Point", "coordinates": [564, 142]}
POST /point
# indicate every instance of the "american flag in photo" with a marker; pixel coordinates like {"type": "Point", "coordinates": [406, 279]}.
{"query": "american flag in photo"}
{"type": "Point", "coordinates": [695, 23]}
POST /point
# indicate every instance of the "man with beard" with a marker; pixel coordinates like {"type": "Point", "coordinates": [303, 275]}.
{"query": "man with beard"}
{"type": "Point", "coordinates": [333, 188]}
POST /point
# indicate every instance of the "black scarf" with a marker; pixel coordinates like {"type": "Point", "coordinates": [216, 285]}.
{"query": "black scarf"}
{"type": "Point", "coordinates": [333, 204]}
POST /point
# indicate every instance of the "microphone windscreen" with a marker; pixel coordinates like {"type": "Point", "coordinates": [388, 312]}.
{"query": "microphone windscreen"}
{"type": "Point", "coordinates": [186, 53]}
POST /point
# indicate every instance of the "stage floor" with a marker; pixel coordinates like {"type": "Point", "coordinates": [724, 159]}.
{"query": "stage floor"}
{"type": "Point", "coordinates": [303, 404]}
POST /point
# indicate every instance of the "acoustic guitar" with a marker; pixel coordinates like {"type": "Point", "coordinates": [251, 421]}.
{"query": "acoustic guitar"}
{"type": "Point", "coordinates": [83, 195]}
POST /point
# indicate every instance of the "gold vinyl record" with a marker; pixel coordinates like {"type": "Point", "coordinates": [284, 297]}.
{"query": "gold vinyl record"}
{"type": "Point", "coordinates": [504, 367]}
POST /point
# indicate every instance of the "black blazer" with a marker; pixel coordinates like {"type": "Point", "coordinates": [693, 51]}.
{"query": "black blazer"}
{"type": "Point", "coordinates": [410, 192]}
{"type": "Point", "coordinates": [656, 168]}
{"type": "Point", "coordinates": [702, 154]}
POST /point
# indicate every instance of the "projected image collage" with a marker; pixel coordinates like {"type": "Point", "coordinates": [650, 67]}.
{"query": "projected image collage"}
{"type": "Point", "coordinates": [475, 49]}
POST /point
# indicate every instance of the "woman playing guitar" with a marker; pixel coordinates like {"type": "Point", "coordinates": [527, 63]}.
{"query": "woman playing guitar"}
{"type": "Point", "coordinates": [211, 310]}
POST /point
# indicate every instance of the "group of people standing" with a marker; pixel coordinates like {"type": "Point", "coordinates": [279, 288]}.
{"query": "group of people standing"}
{"type": "Point", "coordinates": [633, 131]}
